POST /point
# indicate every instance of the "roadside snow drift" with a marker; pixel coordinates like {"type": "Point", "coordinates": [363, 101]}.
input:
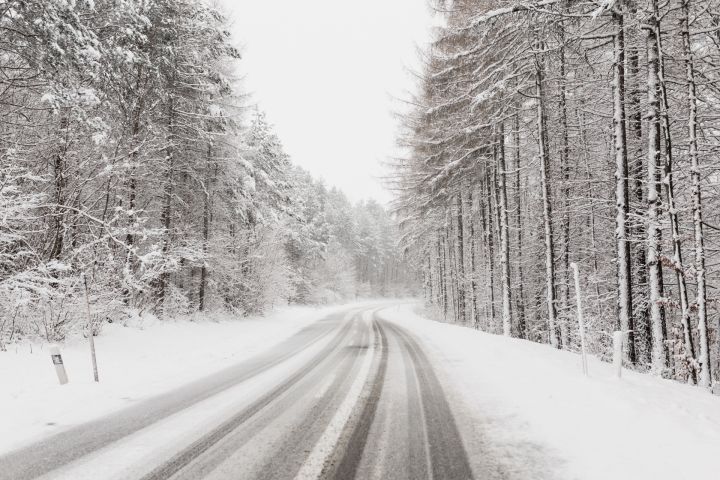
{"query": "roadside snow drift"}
{"type": "Point", "coordinates": [532, 404]}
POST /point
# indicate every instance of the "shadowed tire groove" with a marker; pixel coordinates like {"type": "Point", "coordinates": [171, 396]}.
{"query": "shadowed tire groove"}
{"type": "Point", "coordinates": [348, 465]}
{"type": "Point", "coordinates": [418, 464]}
{"type": "Point", "coordinates": [299, 439]}
{"type": "Point", "coordinates": [448, 457]}
{"type": "Point", "coordinates": [205, 465]}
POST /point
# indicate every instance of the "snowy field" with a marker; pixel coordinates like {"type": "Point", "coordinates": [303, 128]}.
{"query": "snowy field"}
{"type": "Point", "coordinates": [135, 362]}
{"type": "Point", "coordinates": [531, 405]}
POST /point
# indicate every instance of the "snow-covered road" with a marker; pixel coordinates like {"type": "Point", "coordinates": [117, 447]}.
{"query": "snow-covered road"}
{"type": "Point", "coordinates": [374, 391]}
{"type": "Point", "coordinates": [349, 396]}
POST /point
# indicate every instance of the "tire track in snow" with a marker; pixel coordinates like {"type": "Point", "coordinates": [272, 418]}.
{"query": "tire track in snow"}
{"type": "Point", "coordinates": [71, 445]}
{"type": "Point", "coordinates": [321, 457]}
{"type": "Point", "coordinates": [347, 466]}
{"type": "Point", "coordinates": [196, 449]}
{"type": "Point", "coordinates": [445, 449]}
{"type": "Point", "coordinates": [313, 425]}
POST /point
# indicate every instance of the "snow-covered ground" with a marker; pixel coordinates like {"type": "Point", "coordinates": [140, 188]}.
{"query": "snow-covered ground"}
{"type": "Point", "coordinates": [529, 403]}
{"type": "Point", "coordinates": [135, 362]}
{"type": "Point", "coordinates": [528, 406]}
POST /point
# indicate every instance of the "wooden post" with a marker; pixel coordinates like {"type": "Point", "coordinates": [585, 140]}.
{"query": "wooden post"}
{"type": "Point", "coordinates": [91, 334]}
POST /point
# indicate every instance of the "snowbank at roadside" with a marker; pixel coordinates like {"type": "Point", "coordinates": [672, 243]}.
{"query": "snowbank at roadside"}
{"type": "Point", "coordinates": [525, 397]}
{"type": "Point", "coordinates": [134, 363]}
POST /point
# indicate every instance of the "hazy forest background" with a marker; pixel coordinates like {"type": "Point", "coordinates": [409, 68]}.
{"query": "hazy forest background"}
{"type": "Point", "coordinates": [132, 161]}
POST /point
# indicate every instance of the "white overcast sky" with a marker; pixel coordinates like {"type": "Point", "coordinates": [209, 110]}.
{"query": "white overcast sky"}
{"type": "Point", "coordinates": [326, 73]}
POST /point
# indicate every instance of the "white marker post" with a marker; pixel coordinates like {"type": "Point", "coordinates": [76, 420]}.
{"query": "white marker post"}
{"type": "Point", "coordinates": [618, 338]}
{"type": "Point", "coordinates": [581, 321]}
{"type": "Point", "coordinates": [59, 366]}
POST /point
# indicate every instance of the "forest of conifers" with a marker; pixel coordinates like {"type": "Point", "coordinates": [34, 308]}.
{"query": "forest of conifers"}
{"type": "Point", "coordinates": [131, 162]}
{"type": "Point", "coordinates": [551, 132]}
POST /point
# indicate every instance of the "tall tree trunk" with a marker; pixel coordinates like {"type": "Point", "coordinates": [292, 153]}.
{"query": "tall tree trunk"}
{"type": "Point", "coordinates": [444, 275]}
{"type": "Point", "coordinates": [655, 287]}
{"type": "Point", "coordinates": [678, 265]}
{"type": "Point", "coordinates": [138, 112]}
{"type": "Point", "coordinates": [490, 257]}
{"type": "Point", "coordinates": [206, 231]}
{"type": "Point", "coordinates": [565, 171]}
{"type": "Point", "coordinates": [704, 359]}
{"type": "Point", "coordinates": [504, 235]}
{"type": "Point", "coordinates": [473, 261]}
{"type": "Point", "coordinates": [624, 275]}
{"type": "Point", "coordinates": [440, 283]}
{"type": "Point", "coordinates": [451, 260]}
{"type": "Point", "coordinates": [547, 203]}
{"type": "Point", "coordinates": [641, 314]}
{"type": "Point", "coordinates": [166, 212]}
{"type": "Point", "coordinates": [60, 187]}
{"type": "Point", "coordinates": [460, 258]}
{"type": "Point", "coordinates": [522, 326]}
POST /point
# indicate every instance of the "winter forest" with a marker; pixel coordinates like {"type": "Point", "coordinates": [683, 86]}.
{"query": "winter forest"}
{"type": "Point", "coordinates": [553, 132]}
{"type": "Point", "coordinates": [135, 171]}
{"type": "Point", "coordinates": [388, 239]}
{"type": "Point", "coordinates": [137, 176]}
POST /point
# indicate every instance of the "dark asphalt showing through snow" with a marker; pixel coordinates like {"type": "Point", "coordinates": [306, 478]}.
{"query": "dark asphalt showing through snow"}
{"type": "Point", "coordinates": [401, 425]}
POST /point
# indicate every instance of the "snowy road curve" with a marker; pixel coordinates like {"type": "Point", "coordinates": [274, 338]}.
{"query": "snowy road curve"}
{"type": "Point", "coordinates": [351, 396]}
